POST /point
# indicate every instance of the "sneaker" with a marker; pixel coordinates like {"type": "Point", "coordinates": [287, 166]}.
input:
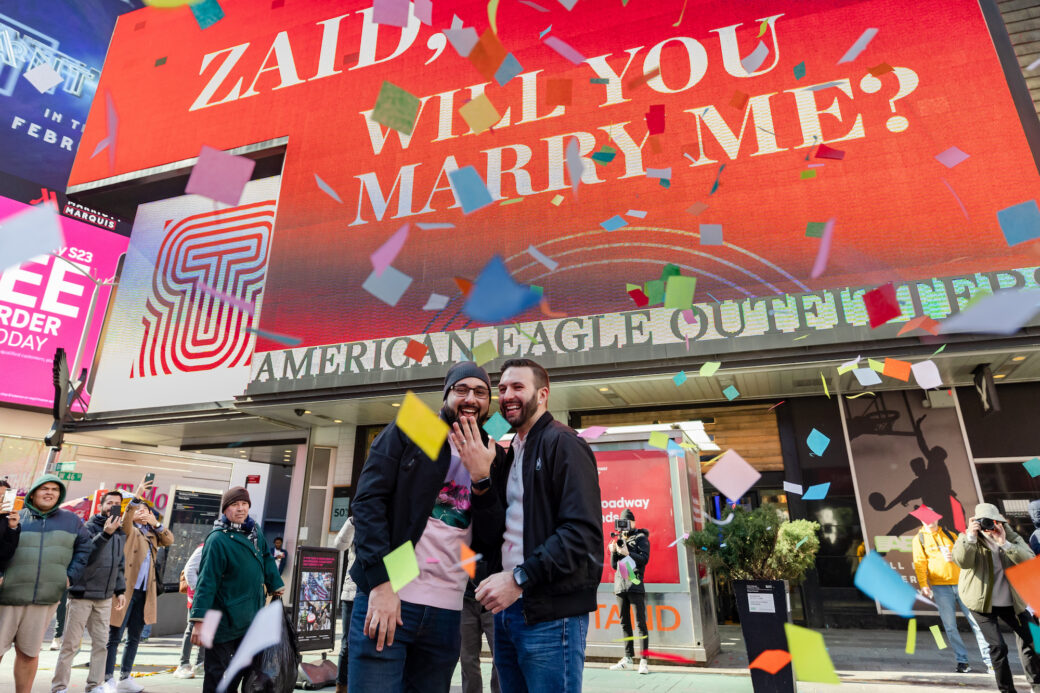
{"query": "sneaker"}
{"type": "Point", "coordinates": [184, 671]}
{"type": "Point", "coordinates": [108, 686]}
{"type": "Point", "coordinates": [644, 668]}
{"type": "Point", "coordinates": [128, 685]}
{"type": "Point", "coordinates": [963, 668]}
{"type": "Point", "coordinates": [623, 663]}
{"type": "Point", "coordinates": [56, 644]}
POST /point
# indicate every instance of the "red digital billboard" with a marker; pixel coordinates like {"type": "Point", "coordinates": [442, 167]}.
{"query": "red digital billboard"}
{"type": "Point", "coordinates": [740, 96]}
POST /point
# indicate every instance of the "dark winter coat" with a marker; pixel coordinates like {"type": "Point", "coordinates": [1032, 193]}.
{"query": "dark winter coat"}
{"type": "Point", "coordinates": [563, 524]}
{"type": "Point", "coordinates": [236, 567]}
{"type": "Point", "coordinates": [53, 547]}
{"type": "Point", "coordinates": [104, 574]}
{"type": "Point", "coordinates": [638, 543]}
{"type": "Point", "coordinates": [8, 542]}
{"type": "Point", "coordinates": [396, 492]}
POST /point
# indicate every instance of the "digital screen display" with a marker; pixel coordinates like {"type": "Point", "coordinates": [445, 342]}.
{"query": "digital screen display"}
{"type": "Point", "coordinates": [44, 304]}
{"type": "Point", "coordinates": [740, 96]}
{"type": "Point", "coordinates": [40, 131]}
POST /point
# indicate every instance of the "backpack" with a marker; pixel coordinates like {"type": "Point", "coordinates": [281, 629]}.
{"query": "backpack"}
{"type": "Point", "coordinates": [920, 536]}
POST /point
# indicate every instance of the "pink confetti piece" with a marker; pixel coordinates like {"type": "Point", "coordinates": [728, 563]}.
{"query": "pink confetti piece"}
{"type": "Point", "coordinates": [240, 303]}
{"type": "Point", "coordinates": [431, 559]}
{"type": "Point", "coordinates": [951, 157]}
{"type": "Point", "coordinates": [593, 432]}
{"type": "Point", "coordinates": [825, 250]}
{"type": "Point", "coordinates": [956, 197]}
{"type": "Point", "coordinates": [534, 5]}
{"type": "Point", "coordinates": [565, 49]}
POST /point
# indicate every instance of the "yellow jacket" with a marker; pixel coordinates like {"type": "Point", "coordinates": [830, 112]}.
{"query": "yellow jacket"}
{"type": "Point", "coordinates": [930, 564]}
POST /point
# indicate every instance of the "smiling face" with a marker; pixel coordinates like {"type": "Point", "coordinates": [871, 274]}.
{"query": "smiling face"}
{"type": "Point", "coordinates": [237, 512]}
{"type": "Point", "coordinates": [46, 496]}
{"type": "Point", "coordinates": [519, 400]}
{"type": "Point", "coordinates": [475, 403]}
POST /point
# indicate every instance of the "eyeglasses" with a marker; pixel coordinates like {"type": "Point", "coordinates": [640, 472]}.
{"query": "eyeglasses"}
{"type": "Point", "coordinates": [464, 390]}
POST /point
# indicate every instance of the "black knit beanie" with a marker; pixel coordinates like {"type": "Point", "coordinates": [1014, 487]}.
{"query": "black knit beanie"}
{"type": "Point", "coordinates": [462, 370]}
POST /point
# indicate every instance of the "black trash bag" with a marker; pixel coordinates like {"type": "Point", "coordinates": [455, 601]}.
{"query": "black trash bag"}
{"type": "Point", "coordinates": [276, 667]}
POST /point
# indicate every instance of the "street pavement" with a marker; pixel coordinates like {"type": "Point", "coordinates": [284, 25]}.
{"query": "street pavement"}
{"type": "Point", "coordinates": [867, 661]}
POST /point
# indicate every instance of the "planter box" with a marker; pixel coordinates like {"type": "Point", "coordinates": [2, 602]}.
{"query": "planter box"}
{"type": "Point", "coordinates": [763, 609]}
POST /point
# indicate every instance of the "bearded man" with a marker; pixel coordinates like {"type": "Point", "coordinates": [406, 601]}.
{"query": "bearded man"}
{"type": "Point", "coordinates": [410, 639]}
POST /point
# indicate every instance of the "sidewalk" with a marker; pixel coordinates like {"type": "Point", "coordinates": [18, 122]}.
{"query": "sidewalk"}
{"type": "Point", "coordinates": [867, 661]}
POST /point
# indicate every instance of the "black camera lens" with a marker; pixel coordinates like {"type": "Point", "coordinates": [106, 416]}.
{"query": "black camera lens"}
{"type": "Point", "coordinates": [987, 524]}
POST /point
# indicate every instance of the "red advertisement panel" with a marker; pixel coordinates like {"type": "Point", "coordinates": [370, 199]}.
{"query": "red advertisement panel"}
{"type": "Point", "coordinates": [741, 96]}
{"type": "Point", "coordinates": [640, 480]}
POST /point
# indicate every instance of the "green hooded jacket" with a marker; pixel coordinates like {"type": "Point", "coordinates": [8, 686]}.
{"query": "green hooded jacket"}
{"type": "Point", "coordinates": [54, 546]}
{"type": "Point", "coordinates": [235, 569]}
{"type": "Point", "coordinates": [976, 562]}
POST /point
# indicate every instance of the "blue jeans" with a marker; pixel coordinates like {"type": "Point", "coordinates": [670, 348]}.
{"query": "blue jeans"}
{"type": "Point", "coordinates": [547, 656]}
{"type": "Point", "coordinates": [947, 599]}
{"type": "Point", "coordinates": [422, 658]}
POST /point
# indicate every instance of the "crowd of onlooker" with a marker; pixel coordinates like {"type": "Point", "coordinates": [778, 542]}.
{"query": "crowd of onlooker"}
{"type": "Point", "coordinates": [105, 575]}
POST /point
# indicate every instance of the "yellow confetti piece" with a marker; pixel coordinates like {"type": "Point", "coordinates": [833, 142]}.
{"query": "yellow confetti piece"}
{"type": "Point", "coordinates": [825, 390]}
{"type": "Point", "coordinates": [911, 636]}
{"type": "Point", "coordinates": [940, 643]}
{"type": "Point", "coordinates": [513, 201]}
{"type": "Point", "coordinates": [860, 395]}
{"type": "Point", "coordinates": [557, 200]}
{"type": "Point", "coordinates": [804, 336]}
{"type": "Point", "coordinates": [423, 426]}
{"type": "Point", "coordinates": [878, 366]}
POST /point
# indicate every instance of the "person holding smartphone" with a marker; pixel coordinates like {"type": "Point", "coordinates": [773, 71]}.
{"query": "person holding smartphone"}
{"type": "Point", "coordinates": [984, 552]}
{"type": "Point", "coordinates": [91, 598]}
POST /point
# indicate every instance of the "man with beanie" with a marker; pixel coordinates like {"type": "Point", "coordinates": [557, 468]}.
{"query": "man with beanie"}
{"type": "Point", "coordinates": [90, 598]}
{"type": "Point", "coordinates": [411, 639]}
{"type": "Point", "coordinates": [984, 553]}
{"type": "Point", "coordinates": [235, 571]}
{"type": "Point", "coordinates": [629, 554]}
{"type": "Point", "coordinates": [52, 553]}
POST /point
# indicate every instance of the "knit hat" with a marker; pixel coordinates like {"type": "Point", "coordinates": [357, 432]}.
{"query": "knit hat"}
{"type": "Point", "coordinates": [461, 371]}
{"type": "Point", "coordinates": [627, 514]}
{"type": "Point", "coordinates": [232, 495]}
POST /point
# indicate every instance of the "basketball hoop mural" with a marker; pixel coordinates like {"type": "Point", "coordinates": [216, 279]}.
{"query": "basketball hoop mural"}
{"type": "Point", "coordinates": [904, 456]}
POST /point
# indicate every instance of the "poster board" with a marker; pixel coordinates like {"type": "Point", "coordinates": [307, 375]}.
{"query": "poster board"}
{"type": "Point", "coordinates": [340, 508]}
{"type": "Point", "coordinates": [189, 516]}
{"type": "Point", "coordinates": [316, 597]}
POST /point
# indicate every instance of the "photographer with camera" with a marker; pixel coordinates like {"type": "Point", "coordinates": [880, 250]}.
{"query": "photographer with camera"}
{"type": "Point", "coordinates": [984, 552]}
{"type": "Point", "coordinates": [629, 554]}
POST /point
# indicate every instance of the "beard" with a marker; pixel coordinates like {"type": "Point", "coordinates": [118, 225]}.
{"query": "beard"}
{"type": "Point", "coordinates": [519, 417]}
{"type": "Point", "coordinates": [452, 415]}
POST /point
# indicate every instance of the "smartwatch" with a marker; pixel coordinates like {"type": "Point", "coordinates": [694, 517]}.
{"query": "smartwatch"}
{"type": "Point", "coordinates": [481, 485]}
{"type": "Point", "coordinates": [520, 575]}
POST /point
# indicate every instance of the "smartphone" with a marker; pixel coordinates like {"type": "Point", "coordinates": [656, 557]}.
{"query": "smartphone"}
{"type": "Point", "coordinates": [149, 477]}
{"type": "Point", "coordinates": [115, 511]}
{"type": "Point", "coordinates": [10, 496]}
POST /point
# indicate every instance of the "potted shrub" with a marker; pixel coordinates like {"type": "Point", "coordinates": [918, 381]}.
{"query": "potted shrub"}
{"type": "Point", "coordinates": [759, 552]}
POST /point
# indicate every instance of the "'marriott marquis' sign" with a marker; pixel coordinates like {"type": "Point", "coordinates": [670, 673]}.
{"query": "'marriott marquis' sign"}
{"type": "Point", "coordinates": [831, 316]}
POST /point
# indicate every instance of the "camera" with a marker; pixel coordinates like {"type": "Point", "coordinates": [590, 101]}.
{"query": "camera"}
{"type": "Point", "coordinates": [622, 525]}
{"type": "Point", "coordinates": [987, 524]}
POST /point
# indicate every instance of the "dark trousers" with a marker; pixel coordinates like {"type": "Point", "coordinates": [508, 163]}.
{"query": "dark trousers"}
{"type": "Point", "coordinates": [186, 648]}
{"type": "Point", "coordinates": [133, 624]}
{"type": "Point", "coordinates": [59, 625]}
{"type": "Point", "coordinates": [345, 607]}
{"type": "Point", "coordinates": [477, 623]}
{"type": "Point", "coordinates": [216, 663]}
{"type": "Point", "coordinates": [998, 650]}
{"type": "Point", "coordinates": [636, 600]}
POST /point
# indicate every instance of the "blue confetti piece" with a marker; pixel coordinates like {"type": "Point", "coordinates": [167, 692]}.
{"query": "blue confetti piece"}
{"type": "Point", "coordinates": [509, 69]}
{"type": "Point", "coordinates": [469, 189]}
{"type": "Point", "coordinates": [817, 491]}
{"type": "Point", "coordinates": [876, 579]}
{"type": "Point", "coordinates": [497, 426]}
{"type": "Point", "coordinates": [817, 442]}
{"type": "Point", "coordinates": [207, 13]}
{"type": "Point", "coordinates": [1033, 467]}
{"type": "Point", "coordinates": [614, 223]}
{"type": "Point", "coordinates": [1020, 223]}
{"type": "Point", "coordinates": [496, 297]}
{"type": "Point", "coordinates": [679, 378]}
{"type": "Point", "coordinates": [731, 393]}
